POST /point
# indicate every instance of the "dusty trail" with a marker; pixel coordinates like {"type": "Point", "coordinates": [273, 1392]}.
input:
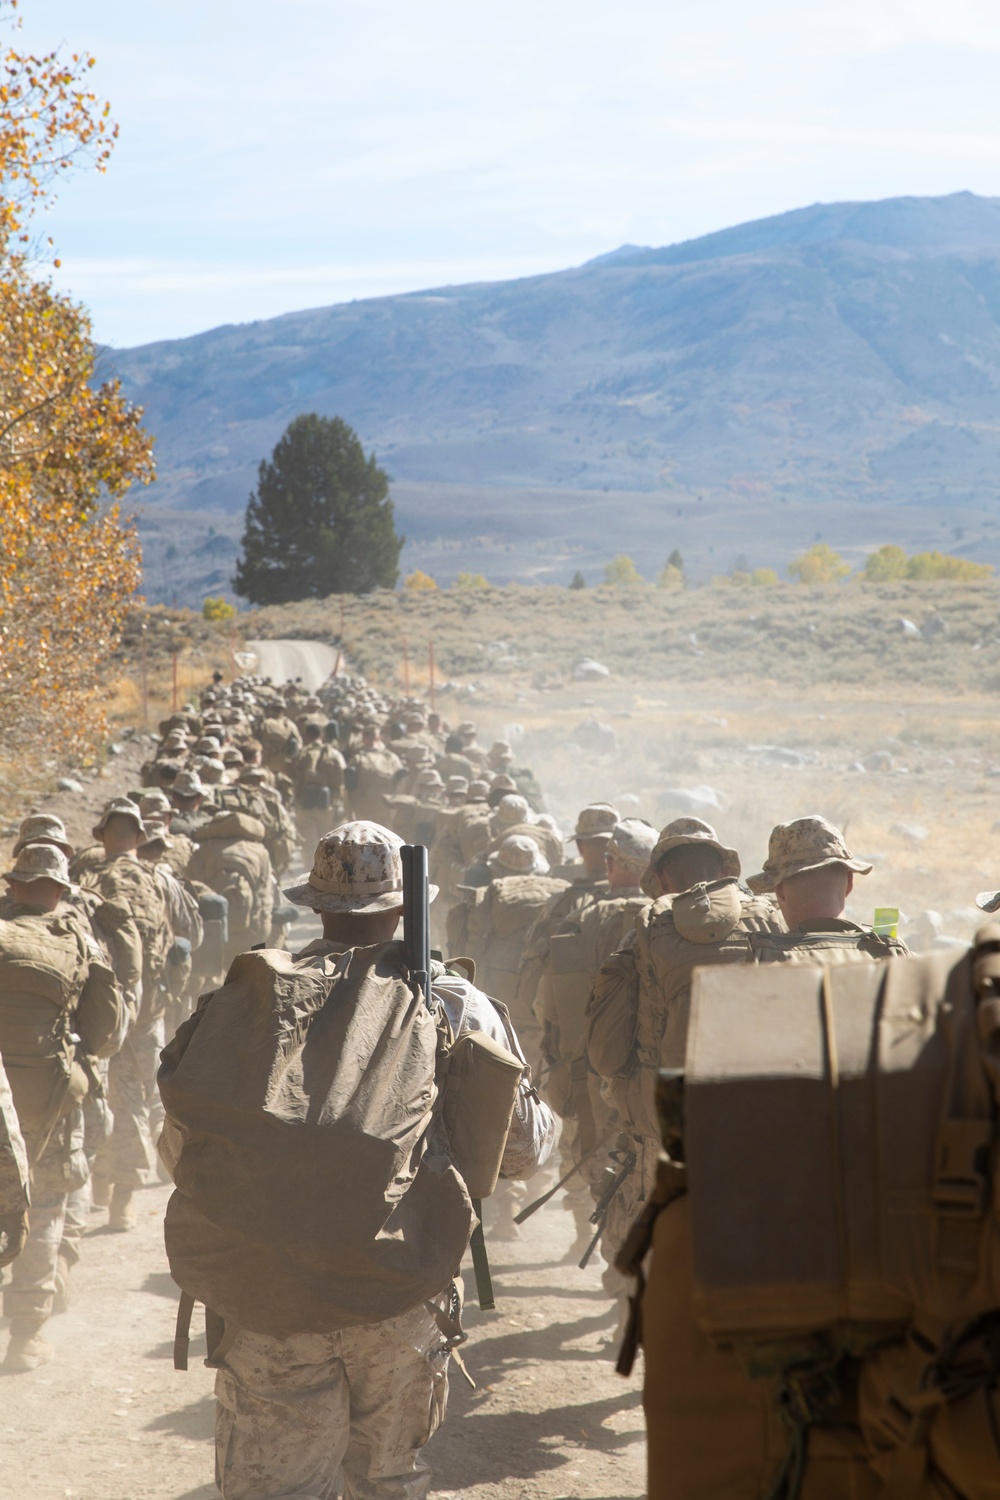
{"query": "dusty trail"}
{"type": "Point", "coordinates": [312, 661]}
{"type": "Point", "coordinates": [110, 1419]}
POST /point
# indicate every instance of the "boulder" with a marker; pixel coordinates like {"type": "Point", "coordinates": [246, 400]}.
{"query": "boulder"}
{"type": "Point", "coordinates": [589, 670]}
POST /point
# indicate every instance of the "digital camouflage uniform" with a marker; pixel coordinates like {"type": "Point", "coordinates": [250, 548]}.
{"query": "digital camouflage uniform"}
{"type": "Point", "coordinates": [126, 1158]}
{"type": "Point", "coordinates": [298, 1416]}
{"type": "Point", "coordinates": [50, 965]}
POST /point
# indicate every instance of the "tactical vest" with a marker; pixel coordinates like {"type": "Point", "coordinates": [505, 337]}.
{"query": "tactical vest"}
{"type": "Point", "coordinates": [44, 964]}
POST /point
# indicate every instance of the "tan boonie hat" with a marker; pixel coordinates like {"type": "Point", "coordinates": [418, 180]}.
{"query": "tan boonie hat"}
{"type": "Point", "coordinates": [466, 727]}
{"type": "Point", "coordinates": [39, 862]}
{"type": "Point", "coordinates": [154, 802]}
{"type": "Point", "coordinates": [804, 844]}
{"type": "Point", "coordinates": [122, 807]}
{"type": "Point", "coordinates": [510, 810]}
{"type": "Point", "coordinates": [188, 784]}
{"type": "Point", "coordinates": [479, 790]}
{"type": "Point", "coordinates": [356, 867]}
{"type": "Point", "coordinates": [631, 843]}
{"type": "Point", "coordinates": [598, 821]}
{"type": "Point", "coordinates": [43, 828]}
{"type": "Point", "coordinates": [502, 782]}
{"type": "Point", "coordinates": [518, 855]}
{"type": "Point", "coordinates": [500, 749]}
{"type": "Point", "coordinates": [687, 831]}
{"type": "Point", "coordinates": [459, 786]}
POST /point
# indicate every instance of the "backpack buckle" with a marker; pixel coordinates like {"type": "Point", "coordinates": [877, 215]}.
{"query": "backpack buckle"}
{"type": "Point", "coordinates": [960, 1176]}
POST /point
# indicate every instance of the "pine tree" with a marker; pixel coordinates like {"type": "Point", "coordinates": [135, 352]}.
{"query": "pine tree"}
{"type": "Point", "coordinates": [578, 581]}
{"type": "Point", "coordinates": [320, 521]}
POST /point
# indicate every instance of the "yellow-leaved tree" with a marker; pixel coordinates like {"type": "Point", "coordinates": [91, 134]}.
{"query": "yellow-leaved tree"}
{"type": "Point", "coordinates": [820, 564]}
{"type": "Point", "coordinates": [70, 443]}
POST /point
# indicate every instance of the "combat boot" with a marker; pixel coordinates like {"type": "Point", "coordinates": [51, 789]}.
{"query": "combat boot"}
{"type": "Point", "coordinates": [27, 1349]}
{"type": "Point", "coordinates": [122, 1215]}
{"type": "Point", "coordinates": [100, 1191]}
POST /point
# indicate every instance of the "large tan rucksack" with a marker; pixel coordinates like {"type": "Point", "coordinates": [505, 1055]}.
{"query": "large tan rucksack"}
{"type": "Point", "coordinates": [498, 924]}
{"type": "Point", "coordinates": [310, 1192]}
{"type": "Point", "coordinates": [232, 861]}
{"type": "Point", "coordinates": [711, 923]}
{"type": "Point", "coordinates": [840, 1136]}
{"type": "Point", "coordinates": [133, 883]}
{"type": "Point", "coordinates": [44, 964]}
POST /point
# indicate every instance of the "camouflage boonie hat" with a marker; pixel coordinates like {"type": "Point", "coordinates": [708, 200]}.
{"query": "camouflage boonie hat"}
{"type": "Point", "coordinates": [153, 802]}
{"type": "Point", "coordinates": [631, 843]}
{"type": "Point", "coordinates": [39, 862]}
{"type": "Point", "coordinates": [356, 868]}
{"type": "Point", "coordinates": [510, 810]}
{"type": "Point", "coordinates": [502, 782]}
{"type": "Point", "coordinates": [122, 807]}
{"type": "Point", "coordinates": [501, 750]}
{"type": "Point", "coordinates": [430, 781]}
{"type": "Point", "coordinates": [466, 727]}
{"type": "Point", "coordinates": [188, 784]}
{"type": "Point", "coordinates": [802, 845]}
{"type": "Point", "coordinates": [676, 835]}
{"type": "Point", "coordinates": [598, 821]}
{"type": "Point", "coordinates": [43, 828]}
{"type": "Point", "coordinates": [518, 854]}
{"type": "Point", "coordinates": [478, 790]}
{"type": "Point", "coordinates": [458, 786]}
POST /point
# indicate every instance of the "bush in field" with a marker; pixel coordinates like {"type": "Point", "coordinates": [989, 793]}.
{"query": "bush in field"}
{"type": "Point", "coordinates": [934, 566]}
{"type": "Point", "coordinates": [763, 578]}
{"type": "Point", "coordinates": [884, 565]}
{"type": "Point", "coordinates": [819, 565]}
{"type": "Point", "coordinates": [218, 611]}
{"type": "Point", "coordinates": [670, 578]}
{"type": "Point", "coordinates": [622, 573]}
{"type": "Point", "coordinates": [419, 580]}
{"type": "Point", "coordinates": [471, 581]}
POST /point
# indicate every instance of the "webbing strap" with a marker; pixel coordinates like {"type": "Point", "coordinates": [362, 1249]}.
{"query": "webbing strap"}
{"type": "Point", "coordinates": [481, 1262]}
{"type": "Point", "coordinates": [182, 1331]}
{"type": "Point", "coordinates": [840, 1207]}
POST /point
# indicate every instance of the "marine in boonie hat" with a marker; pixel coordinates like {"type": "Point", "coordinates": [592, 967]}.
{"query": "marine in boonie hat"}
{"type": "Point", "coordinates": [631, 844]}
{"type": "Point", "coordinates": [675, 835]}
{"type": "Point", "coordinates": [155, 803]}
{"type": "Point", "coordinates": [43, 828]}
{"type": "Point", "coordinates": [510, 810]}
{"type": "Point", "coordinates": [479, 790]}
{"type": "Point", "coordinates": [122, 807]}
{"type": "Point", "coordinates": [39, 862]}
{"type": "Point", "coordinates": [597, 821]}
{"type": "Point", "coordinates": [188, 784]}
{"type": "Point", "coordinates": [800, 846]}
{"type": "Point", "coordinates": [518, 855]}
{"type": "Point", "coordinates": [356, 868]}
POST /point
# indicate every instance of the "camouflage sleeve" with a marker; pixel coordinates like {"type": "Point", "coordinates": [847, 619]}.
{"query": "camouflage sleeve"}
{"type": "Point", "coordinates": [13, 1157]}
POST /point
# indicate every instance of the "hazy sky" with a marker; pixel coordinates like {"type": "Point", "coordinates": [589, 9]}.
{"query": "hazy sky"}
{"type": "Point", "coordinates": [294, 153]}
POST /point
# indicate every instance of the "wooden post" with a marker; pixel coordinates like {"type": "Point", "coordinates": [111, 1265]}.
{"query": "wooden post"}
{"type": "Point", "coordinates": [430, 672]}
{"type": "Point", "coordinates": [145, 682]}
{"type": "Point", "coordinates": [406, 666]}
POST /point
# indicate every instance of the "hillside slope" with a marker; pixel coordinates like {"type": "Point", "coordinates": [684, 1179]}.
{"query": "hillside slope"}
{"type": "Point", "coordinates": [842, 354]}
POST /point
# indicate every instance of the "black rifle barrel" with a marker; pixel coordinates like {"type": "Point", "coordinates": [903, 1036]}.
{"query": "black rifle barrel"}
{"type": "Point", "coordinates": [416, 916]}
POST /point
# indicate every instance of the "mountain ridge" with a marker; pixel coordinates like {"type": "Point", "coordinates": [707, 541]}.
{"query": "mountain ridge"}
{"type": "Point", "coordinates": [836, 355]}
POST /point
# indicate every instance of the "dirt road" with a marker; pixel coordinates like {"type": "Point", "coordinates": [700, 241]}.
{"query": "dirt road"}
{"type": "Point", "coordinates": [111, 1419]}
{"type": "Point", "coordinates": [310, 661]}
